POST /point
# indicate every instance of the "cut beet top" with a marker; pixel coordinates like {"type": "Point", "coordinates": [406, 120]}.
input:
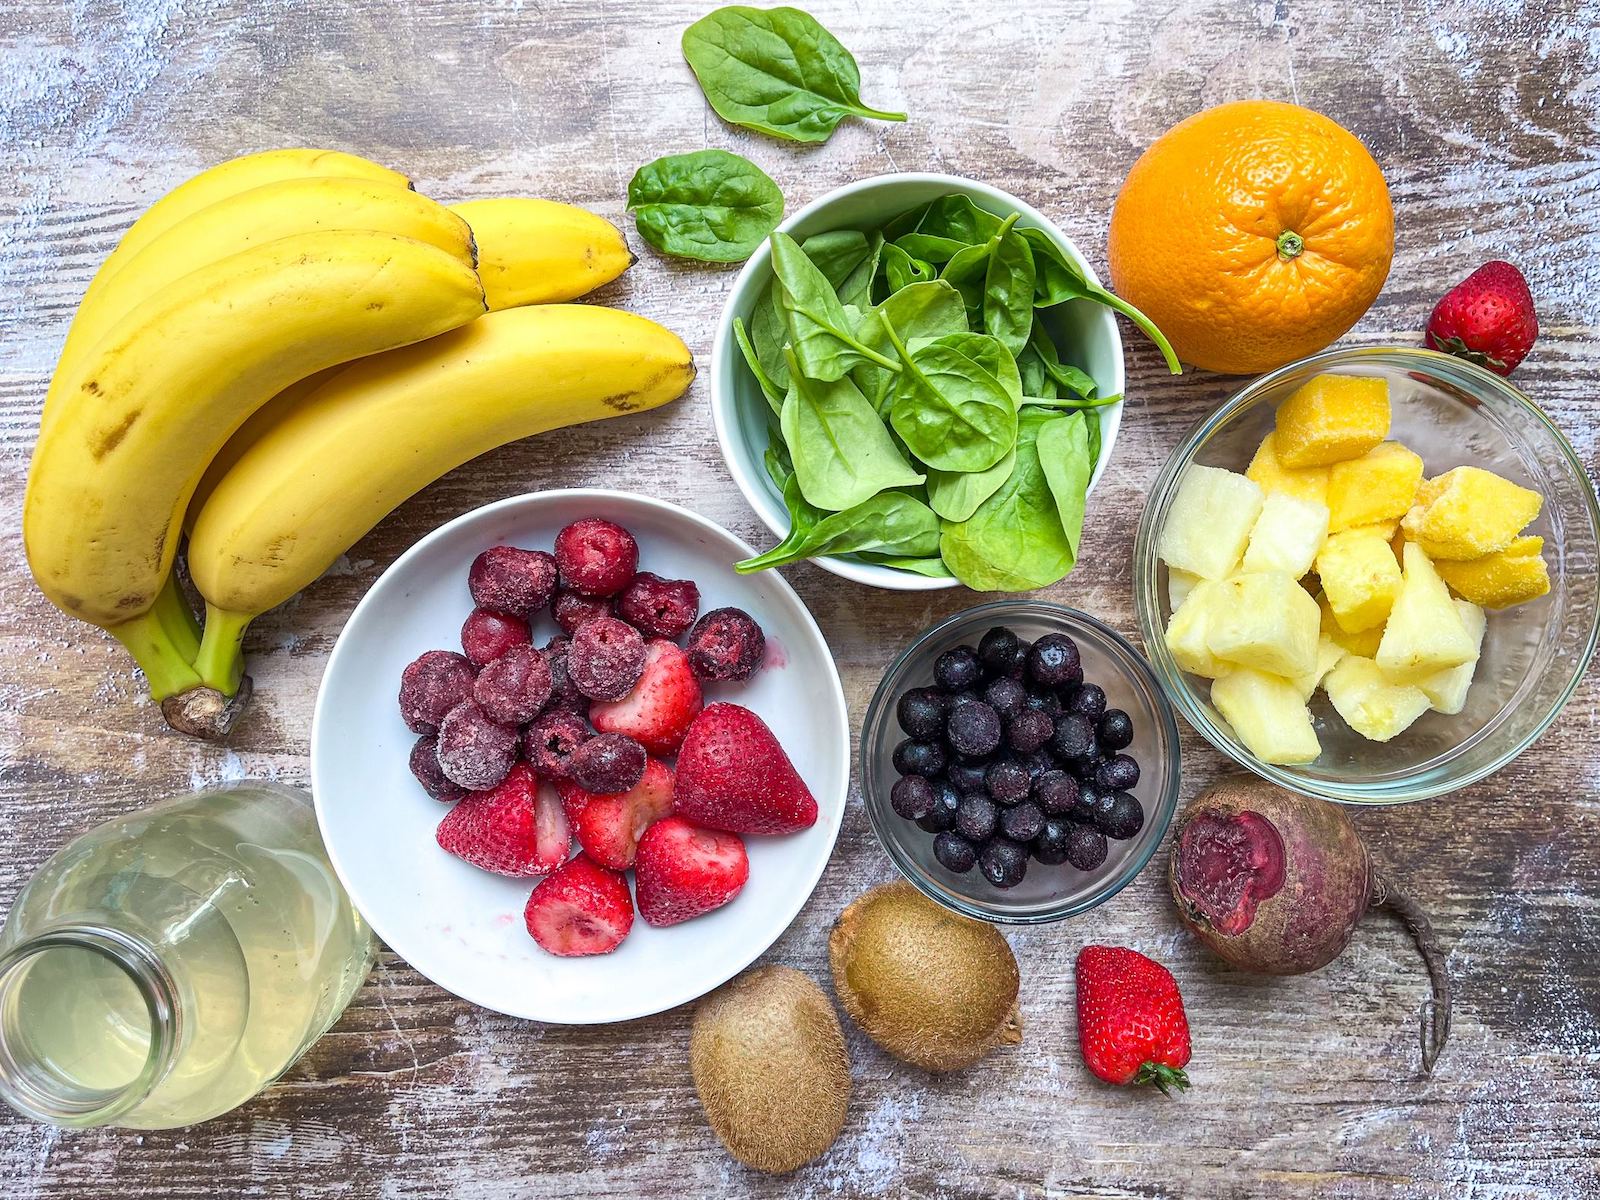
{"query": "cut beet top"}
{"type": "Point", "coordinates": [1228, 865]}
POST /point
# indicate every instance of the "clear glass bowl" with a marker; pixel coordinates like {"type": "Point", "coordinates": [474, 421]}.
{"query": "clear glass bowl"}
{"type": "Point", "coordinates": [1048, 893]}
{"type": "Point", "coordinates": [1452, 414]}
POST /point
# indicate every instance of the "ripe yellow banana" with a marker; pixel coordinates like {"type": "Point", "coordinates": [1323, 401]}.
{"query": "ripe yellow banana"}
{"type": "Point", "coordinates": [379, 431]}
{"type": "Point", "coordinates": [541, 251]}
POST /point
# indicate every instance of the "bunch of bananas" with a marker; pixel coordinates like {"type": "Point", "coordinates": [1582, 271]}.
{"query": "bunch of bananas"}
{"type": "Point", "coordinates": [278, 353]}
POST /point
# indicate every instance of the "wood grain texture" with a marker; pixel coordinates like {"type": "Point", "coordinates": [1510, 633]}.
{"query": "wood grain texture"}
{"type": "Point", "coordinates": [1486, 119]}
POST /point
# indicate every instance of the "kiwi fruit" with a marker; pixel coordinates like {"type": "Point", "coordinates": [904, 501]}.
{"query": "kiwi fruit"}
{"type": "Point", "coordinates": [770, 1065]}
{"type": "Point", "coordinates": [933, 988]}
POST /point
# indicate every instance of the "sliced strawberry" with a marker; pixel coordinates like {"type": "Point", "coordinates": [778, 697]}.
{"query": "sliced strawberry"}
{"type": "Point", "coordinates": [658, 710]}
{"type": "Point", "coordinates": [516, 828]}
{"type": "Point", "coordinates": [609, 827]}
{"type": "Point", "coordinates": [581, 909]}
{"type": "Point", "coordinates": [733, 775]}
{"type": "Point", "coordinates": [683, 870]}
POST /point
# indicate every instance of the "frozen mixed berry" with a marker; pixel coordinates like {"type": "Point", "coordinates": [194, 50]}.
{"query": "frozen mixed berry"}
{"type": "Point", "coordinates": [1050, 846]}
{"type": "Point", "coordinates": [515, 687]}
{"type": "Point", "coordinates": [1119, 774]}
{"type": "Point", "coordinates": [425, 766]}
{"type": "Point", "coordinates": [431, 686]}
{"type": "Point", "coordinates": [1054, 663]}
{"type": "Point", "coordinates": [1086, 847]}
{"type": "Point", "coordinates": [606, 658]}
{"type": "Point", "coordinates": [1003, 862]}
{"type": "Point", "coordinates": [912, 797]}
{"type": "Point", "coordinates": [607, 764]}
{"type": "Point", "coordinates": [1006, 696]}
{"type": "Point", "coordinates": [1029, 730]}
{"type": "Point", "coordinates": [1002, 652]}
{"type": "Point", "coordinates": [1121, 818]}
{"type": "Point", "coordinates": [1046, 702]}
{"type": "Point", "coordinates": [921, 712]}
{"type": "Point", "coordinates": [1056, 792]}
{"type": "Point", "coordinates": [957, 670]}
{"type": "Point", "coordinates": [974, 730]}
{"type": "Point", "coordinates": [659, 607]}
{"type": "Point", "coordinates": [964, 776]}
{"type": "Point", "coordinates": [1073, 737]}
{"type": "Point", "coordinates": [912, 757]}
{"type": "Point", "coordinates": [954, 852]}
{"type": "Point", "coordinates": [945, 806]}
{"type": "Point", "coordinates": [572, 610]}
{"type": "Point", "coordinates": [564, 694]}
{"type": "Point", "coordinates": [977, 817]}
{"type": "Point", "coordinates": [1022, 822]}
{"type": "Point", "coordinates": [1088, 701]}
{"type": "Point", "coordinates": [725, 645]}
{"type": "Point", "coordinates": [1116, 729]}
{"type": "Point", "coordinates": [1007, 781]}
{"type": "Point", "coordinates": [548, 743]}
{"type": "Point", "coordinates": [475, 751]}
{"type": "Point", "coordinates": [506, 579]}
{"type": "Point", "coordinates": [486, 635]}
{"type": "Point", "coordinates": [596, 557]}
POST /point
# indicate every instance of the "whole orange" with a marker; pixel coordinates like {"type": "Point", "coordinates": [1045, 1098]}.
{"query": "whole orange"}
{"type": "Point", "coordinates": [1252, 234]}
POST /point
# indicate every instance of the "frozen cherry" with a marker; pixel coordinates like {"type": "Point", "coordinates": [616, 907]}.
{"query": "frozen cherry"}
{"type": "Point", "coordinates": [1056, 792]}
{"type": "Point", "coordinates": [548, 743]}
{"type": "Point", "coordinates": [1002, 653]}
{"type": "Point", "coordinates": [1029, 730]}
{"type": "Point", "coordinates": [659, 607]}
{"type": "Point", "coordinates": [606, 764]}
{"type": "Point", "coordinates": [425, 766]}
{"type": "Point", "coordinates": [572, 610]}
{"type": "Point", "coordinates": [1117, 774]}
{"type": "Point", "coordinates": [954, 852]}
{"type": "Point", "coordinates": [1116, 729]}
{"type": "Point", "coordinates": [431, 686]}
{"type": "Point", "coordinates": [1086, 847]}
{"type": "Point", "coordinates": [919, 758]}
{"type": "Point", "coordinates": [505, 579]}
{"type": "Point", "coordinates": [564, 695]}
{"type": "Point", "coordinates": [486, 635]}
{"type": "Point", "coordinates": [1121, 818]}
{"type": "Point", "coordinates": [957, 670]}
{"type": "Point", "coordinates": [596, 557]}
{"type": "Point", "coordinates": [725, 644]}
{"type": "Point", "coordinates": [1003, 862]}
{"type": "Point", "coordinates": [1088, 701]}
{"type": "Point", "coordinates": [912, 797]}
{"type": "Point", "coordinates": [1054, 663]}
{"type": "Point", "coordinates": [475, 750]}
{"type": "Point", "coordinates": [1050, 846]}
{"type": "Point", "coordinates": [945, 806]}
{"type": "Point", "coordinates": [974, 730]}
{"type": "Point", "coordinates": [977, 817]}
{"type": "Point", "coordinates": [605, 659]}
{"type": "Point", "coordinates": [515, 687]}
{"type": "Point", "coordinates": [921, 712]}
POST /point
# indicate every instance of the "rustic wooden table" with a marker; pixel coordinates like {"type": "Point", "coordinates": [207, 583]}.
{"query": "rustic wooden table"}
{"type": "Point", "coordinates": [1486, 119]}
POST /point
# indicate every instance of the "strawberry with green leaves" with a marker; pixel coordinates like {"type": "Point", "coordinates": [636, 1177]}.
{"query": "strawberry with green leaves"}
{"type": "Point", "coordinates": [1131, 1023]}
{"type": "Point", "coordinates": [1487, 319]}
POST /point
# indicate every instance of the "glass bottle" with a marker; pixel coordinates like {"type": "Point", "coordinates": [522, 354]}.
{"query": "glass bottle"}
{"type": "Point", "coordinates": [165, 967]}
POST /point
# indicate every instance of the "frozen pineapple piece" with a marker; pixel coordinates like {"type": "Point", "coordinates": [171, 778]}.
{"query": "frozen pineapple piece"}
{"type": "Point", "coordinates": [1467, 513]}
{"type": "Point", "coordinates": [1499, 580]}
{"type": "Point", "coordinates": [1268, 715]}
{"type": "Point", "coordinates": [1209, 522]}
{"type": "Point", "coordinates": [1287, 535]}
{"type": "Point", "coordinates": [1188, 630]}
{"type": "Point", "coordinates": [1379, 486]}
{"type": "Point", "coordinates": [1329, 653]}
{"type": "Point", "coordinates": [1397, 543]}
{"type": "Point", "coordinates": [1306, 483]}
{"type": "Point", "coordinates": [1264, 620]}
{"type": "Point", "coordinates": [1424, 632]}
{"type": "Point", "coordinates": [1179, 585]}
{"type": "Point", "coordinates": [1364, 643]}
{"type": "Point", "coordinates": [1330, 419]}
{"type": "Point", "coordinates": [1370, 703]}
{"type": "Point", "coordinates": [1360, 578]}
{"type": "Point", "coordinates": [1447, 690]}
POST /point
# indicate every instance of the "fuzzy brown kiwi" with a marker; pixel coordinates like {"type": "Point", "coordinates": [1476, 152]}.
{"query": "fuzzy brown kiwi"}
{"type": "Point", "coordinates": [770, 1065]}
{"type": "Point", "coordinates": [933, 988]}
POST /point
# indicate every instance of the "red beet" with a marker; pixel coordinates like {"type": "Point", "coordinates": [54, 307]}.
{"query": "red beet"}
{"type": "Point", "coordinates": [1276, 883]}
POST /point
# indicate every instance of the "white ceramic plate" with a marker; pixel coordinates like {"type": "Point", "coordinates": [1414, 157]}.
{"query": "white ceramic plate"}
{"type": "Point", "coordinates": [462, 927]}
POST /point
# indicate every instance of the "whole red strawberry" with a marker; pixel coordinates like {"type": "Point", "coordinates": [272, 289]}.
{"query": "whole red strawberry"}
{"type": "Point", "coordinates": [1487, 318]}
{"type": "Point", "coordinates": [1131, 1024]}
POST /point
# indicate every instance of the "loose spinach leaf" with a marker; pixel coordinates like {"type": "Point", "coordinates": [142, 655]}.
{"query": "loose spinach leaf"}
{"type": "Point", "coordinates": [842, 452]}
{"type": "Point", "coordinates": [1063, 448]}
{"type": "Point", "coordinates": [708, 205]}
{"type": "Point", "coordinates": [930, 247]}
{"type": "Point", "coordinates": [889, 523]}
{"type": "Point", "coordinates": [776, 71]}
{"type": "Point", "coordinates": [918, 310]}
{"type": "Point", "coordinates": [956, 496]}
{"type": "Point", "coordinates": [953, 414]}
{"type": "Point", "coordinates": [769, 387]}
{"type": "Point", "coordinates": [933, 568]}
{"type": "Point", "coordinates": [1060, 280]}
{"type": "Point", "coordinates": [900, 270]}
{"type": "Point", "coordinates": [1008, 290]}
{"type": "Point", "coordinates": [820, 332]}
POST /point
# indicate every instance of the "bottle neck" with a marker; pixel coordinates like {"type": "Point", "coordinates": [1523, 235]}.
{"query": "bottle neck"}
{"type": "Point", "coordinates": [89, 1024]}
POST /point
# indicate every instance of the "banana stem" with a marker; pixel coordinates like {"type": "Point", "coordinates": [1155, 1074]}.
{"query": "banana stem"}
{"type": "Point", "coordinates": [177, 618]}
{"type": "Point", "coordinates": [162, 660]}
{"type": "Point", "coordinates": [220, 662]}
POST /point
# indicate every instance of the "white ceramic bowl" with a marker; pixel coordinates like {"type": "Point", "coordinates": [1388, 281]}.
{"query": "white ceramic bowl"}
{"type": "Point", "coordinates": [462, 927]}
{"type": "Point", "coordinates": [740, 412]}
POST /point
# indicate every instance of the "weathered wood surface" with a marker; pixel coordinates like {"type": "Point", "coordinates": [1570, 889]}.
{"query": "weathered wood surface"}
{"type": "Point", "coordinates": [1486, 118]}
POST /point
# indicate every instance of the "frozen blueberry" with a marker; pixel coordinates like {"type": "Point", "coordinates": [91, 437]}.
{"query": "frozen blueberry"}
{"type": "Point", "coordinates": [912, 757]}
{"type": "Point", "coordinates": [726, 645]}
{"type": "Point", "coordinates": [1119, 774]}
{"type": "Point", "coordinates": [1002, 653]}
{"type": "Point", "coordinates": [606, 658]}
{"type": "Point", "coordinates": [1089, 800]}
{"type": "Point", "coordinates": [957, 699]}
{"type": "Point", "coordinates": [1073, 737]}
{"type": "Point", "coordinates": [1056, 792]}
{"type": "Point", "coordinates": [596, 557]}
{"type": "Point", "coordinates": [1022, 822]}
{"type": "Point", "coordinates": [1037, 763]}
{"type": "Point", "coordinates": [965, 776]}
{"type": "Point", "coordinates": [659, 607]}
{"type": "Point", "coordinates": [945, 805]}
{"type": "Point", "coordinates": [1116, 729]}
{"type": "Point", "coordinates": [956, 670]}
{"type": "Point", "coordinates": [1047, 702]}
{"type": "Point", "coordinates": [1006, 781]}
{"type": "Point", "coordinates": [1086, 846]}
{"type": "Point", "coordinates": [548, 743]}
{"type": "Point", "coordinates": [486, 635]}
{"type": "Point", "coordinates": [572, 610]}
{"type": "Point", "coordinates": [1006, 696]}
{"type": "Point", "coordinates": [431, 686]}
{"type": "Point", "coordinates": [1120, 819]}
{"type": "Point", "coordinates": [912, 797]}
{"type": "Point", "coordinates": [921, 712]}
{"type": "Point", "coordinates": [425, 766]}
{"type": "Point", "coordinates": [974, 729]}
{"type": "Point", "coordinates": [505, 579]}
{"type": "Point", "coordinates": [475, 751]}
{"type": "Point", "coordinates": [607, 763]}
{"type": "Point", "coordinates": [1029, 730]}
{"type": "Point", "coordinates": [1085, 768]}
{"type": "Point", "coordinates": [1088, 701]}
{"type": "Point", "coordinates": [1053, 662]}
{"type": "Point", "coordinates": [1050, 847]}
{"type": "Point", "coordinates": [954, 852]}
{"type": "Point", "coordinates": [976, 818]}
{"type": "Point", "coordinates": [1003, 862]}
{"type": "Point", "coordinates": [515, 687]}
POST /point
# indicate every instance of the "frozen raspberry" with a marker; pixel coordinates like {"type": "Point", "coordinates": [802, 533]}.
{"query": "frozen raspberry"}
{"type": "Point", "coordinates": [514, 688]}
{"type": "Point", "coordinates": [548, 743]}
{"type": "Point", "coordinates": [606, 658]}
{"type": "Point", "coordinates": [572, 610]}
{"type": "Point", "coordinates": [425, 766]}
{"type": "Point", "coordinates": [726, 644]}
{"type": "Point", "coordinates": [431, 686]}
{"type": "Point", "coordinates": [505, 579]}
{"type": "Point", "coordinates": [564, 696]}
{"type": "Point", "coordinates": [596, 557]}
{"type": "Point", "coordinates": [486, 635]}
{"type": "Point", "coordinates": [659, 607]}
{"type": "Point", "coordinates": [475, 751]}
{"type": "Point", "coordinates": [606, 764]}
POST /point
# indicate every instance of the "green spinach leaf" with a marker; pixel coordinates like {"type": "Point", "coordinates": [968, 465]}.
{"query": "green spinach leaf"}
{"type": "Point", "coordinates": [930, 247]}
{"type": "Point", "coordinates": [953, 414]}
{"type": "Point", "coordinates": [989, 353]}
{"type": "Point", "coordinates": [900, 270]}
{"type": "Point", "coordinates": [1008, 290]}
{"type": "Point", "coordinates": [919, 310]}
{"type": "Point", "coordinates": [890, 523]}
{"type": "Point", "coordinates": [837, 253]}
{"type": "Point", "coordinates": [820, 333]}
{"type": "Point", "coordinates": [842, 452]}
{"type": "Point", "coordinates": [856, 287]}
{"type": "Point", "coordinates": [1060, 280]}
{"type": "Point", "coordinates": [932, 567]}
{"type": "Point", "coordinates": [769, 387]}
{"type": "Point", "coordinates": [1076, 381]}
{"type": "Point", "coordinates": [956, 496]}
{"type": "Point", "coordinates": [767, 334]}
{"type": "Point", "coordinates": [1063, 448]}
{"type": "Point", "coordinates": [708, 205]}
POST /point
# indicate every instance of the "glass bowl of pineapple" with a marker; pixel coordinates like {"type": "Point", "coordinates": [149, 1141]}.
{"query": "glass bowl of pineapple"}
{"type": "Point", "coordinates": [1370, 576]}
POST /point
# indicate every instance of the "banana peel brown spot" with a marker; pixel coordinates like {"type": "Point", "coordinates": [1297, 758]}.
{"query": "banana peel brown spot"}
{"type": "Point", "coordinates": [112, 438]}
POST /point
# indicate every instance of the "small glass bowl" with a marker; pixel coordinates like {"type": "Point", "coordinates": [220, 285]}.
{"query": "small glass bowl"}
{"type": "Point", "coordinates": [1534, 656]}
{"type": "Point", "coordinates": [1048, 893]}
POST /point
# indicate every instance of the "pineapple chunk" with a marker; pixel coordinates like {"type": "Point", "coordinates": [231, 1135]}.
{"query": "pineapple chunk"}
{"type": "Point", "coordinates": [1332, 418]}
{"type": "Point", "coordinates": [1369, 702]}
{"type": "Point", "coordinates": [1329, 654]}
{"type": "Point", "coordinates": [1360, 578]}
{"type": "Point", "coordinates": [1397, 543]}
{"type": "Point", "coordinates": [1447, 690]}
{"type": "Point", "coordinates": [1425, 633]}
{"type": "Point", "coordinates": [1287, 535]}
{"type": "Point", "coordinates": [1209, 522]}
{"type": "Point", "coordinates": [1469, 512]}
{"type": "Point", "coordinates": [1500, 580]}
{"type": "Point", "coordinates": [1179, 585]}
{"type": "Point", "coordinates": [1264, 620]}
{"type": "Point", "coordinates": [1268, 715]}
{"type": "Point", "coordinates": [1378, 486]}
{"type": "Point", "coordinates": [1306, 483]}
{"type": "Point", "coordinates": [1364, 643]}
{"type": "Point", "coordinates": [1188, 629]}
